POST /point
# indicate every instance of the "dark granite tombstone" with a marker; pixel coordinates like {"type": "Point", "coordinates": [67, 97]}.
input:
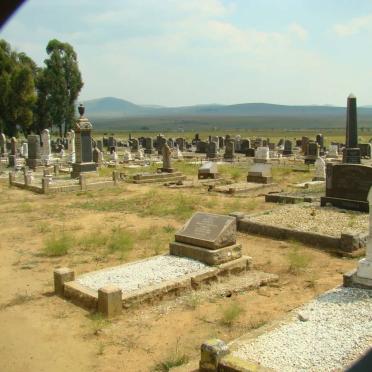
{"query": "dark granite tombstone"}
{"type": "Point", "coordinates": [105, 141]}
{"type": "Point", "coordinates": [351, 154]}
{"type": "Point", "coordinates": [181, 142]}
{"type": "Point", "coordinates": [149, 146]}
{"type": "Point", "coordinates": [12, 157]}
{"type": "Point", "coordinates": [134, 145]}
{"type": "Point", "coordinates": [211, 231]}
{"type": "Point", "coordinates": [287, 147]}
{"type": "Point", "coordinates": [320, 140]}
{"type": "Point", "coordinates": [312, 153]}
{"type": "Point", "coordinates": [229, 150]}
{"type": "Point", "coordinates": [111, 142]}
{"type": "Point", "coordinates": [246, 144]}
{"type": "Point", "coordinates": [34, 156]}
{"type": "Point", "coordinates": [83, 146]}
{"type": "Point", "coordinates": [365, 150]}
{"type": "Point", "coordinates": [221, 142]}
{"type": "Point", "coordinates": [304, 143]}
{"type": "Point", "coordinates": [347, 186]}
{"type": "Point", "coordinates": [212, 150]}
{"type": "Point", "coordinates": [201, 147]}
{"type": "Point", "coordinates": [250, 153]}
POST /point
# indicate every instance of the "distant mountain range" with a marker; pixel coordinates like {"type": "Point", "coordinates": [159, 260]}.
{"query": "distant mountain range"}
{"type": "Point", "coordinates": [111, 107]}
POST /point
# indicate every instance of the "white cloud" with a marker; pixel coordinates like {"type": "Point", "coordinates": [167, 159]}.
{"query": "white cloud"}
{"type": "Point", "coordinates": [298, 31]}
{"type": "Point", "coordinates": [354, 26]}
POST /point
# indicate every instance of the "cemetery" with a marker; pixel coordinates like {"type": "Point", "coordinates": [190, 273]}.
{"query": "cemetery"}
{"type": "Point", "coordinates": [222, 223]}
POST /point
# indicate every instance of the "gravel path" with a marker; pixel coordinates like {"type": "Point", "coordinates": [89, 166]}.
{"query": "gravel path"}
{"type": "Point", "coordinates": [323, 220]}
{"type": "Point", "coordinates": [337, 330]}
{"type": "Point", "coordinates": [141, 274]}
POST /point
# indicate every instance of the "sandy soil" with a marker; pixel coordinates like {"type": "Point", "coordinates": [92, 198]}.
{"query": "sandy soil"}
{"type": "Point", "coordinates": [41, 332]}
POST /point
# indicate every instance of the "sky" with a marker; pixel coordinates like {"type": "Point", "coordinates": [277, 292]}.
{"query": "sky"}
{"type": "Point", "coordinates": [185, 52]}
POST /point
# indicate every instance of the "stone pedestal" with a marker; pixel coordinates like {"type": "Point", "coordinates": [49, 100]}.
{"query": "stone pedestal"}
{"type": "Point", "coordinates": [62, 276]}
{"type": "Point", "coordinates": [110, 301]}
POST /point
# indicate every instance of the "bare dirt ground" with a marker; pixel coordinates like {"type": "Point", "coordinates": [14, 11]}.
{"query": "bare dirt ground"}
{"type": "Point", "coordinates": [42, 332]}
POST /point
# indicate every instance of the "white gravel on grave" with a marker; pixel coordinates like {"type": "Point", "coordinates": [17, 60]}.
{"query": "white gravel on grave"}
{"type": "Point", "coordinates": [143, 273]}
{"type": "Point", "coordinates": [324, 220]}
{"type": "Point", "coordinates": [338, 330]}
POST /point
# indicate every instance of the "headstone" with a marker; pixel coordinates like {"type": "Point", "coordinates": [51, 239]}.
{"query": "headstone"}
{"type": "Point", "coordinates": [97, 156]}
{"type": "Point", "coordinates": [260, 173]}
{"type": "Point", "coordinates": [181, 142]}
{"type": "Point", "coordinates": [208, 170]}
{"type": "Point", "coordinates": [83, 146]}
{"type": "Point", "coordinates": [3, 150]}
{"type": "Point", "coordinates": [127, 156]}
{"type": "Point", "coordinates": [179, 155]}
{"type": "Point", "coordinates": [229, 150]}
{"type": "Point", "coordinates": [140, 154]}
{"type": "Point", "coordinates": [333, 152]}
{"type": "Point", "coordinates": [221, 142]}
{"type": "Point", "coordinates": [113, 155]}
{"type": "Point", "coordinates": [12, 158]}
{"type": "Point", "coordinates": [134, 145]}
{"type": "Point", "coordinates": [160, 142]}
{"type": "Point", "coordinates": [304, 143]}
{"type": "Point", "coordinates": [24, 149]}
{"type": "Point", "coordinates": [320, 140]}
{"type": "Point", "coordinates": [34, 157]}
{"type": "Point", "coordinates": [312, 153]}
{"type": "Point", "coordinates": [167, 163]}
{"type": "Point", "coordinates": [365, 150]}
{"type": "Point", "coordinates": [100, 145]}
{"type": "Point", "coordinates": [212, 150]}
{"type": "Point", "coordinates": [149, 146]}
{"type": "Point", "coordinates": [245, 145]}
{"type": "Point", "coordinates": [201, 147]}
{"type": "Point", "coordinates": [262, 155]}
{"type": "Point", "coordinates": [351, 154]}
{"type": "Point", "coordinates": [71, 146]}
{"type": "Point", "coordinates": [46, 153]}
{"type": "Point", "coordinates": [320, 170]}
{"type": "Point", "coordinates": [209, 238]}
{"type": "Point", "coordinates": [347, 186]}
{"type": "Point", "coordinates": [287, 147]}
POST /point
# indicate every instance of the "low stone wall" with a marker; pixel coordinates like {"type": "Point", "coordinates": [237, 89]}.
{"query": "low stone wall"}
{"type": "Point", "coordinates": [346, 244]}
{"type": "Point", "coordinates": [289, 199]}
{"type": "Point", "coordinates": [88, 298]}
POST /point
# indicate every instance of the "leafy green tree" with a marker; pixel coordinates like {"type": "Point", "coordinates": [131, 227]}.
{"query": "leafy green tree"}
{"type": "Point", "coordinates": [64, 83]}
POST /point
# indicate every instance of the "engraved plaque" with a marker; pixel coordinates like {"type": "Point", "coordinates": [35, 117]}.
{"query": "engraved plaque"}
{"type": "Point", "coordinates": [208, 230]}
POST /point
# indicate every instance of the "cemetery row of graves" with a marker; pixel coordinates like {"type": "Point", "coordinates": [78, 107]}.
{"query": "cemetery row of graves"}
{"type": "Point", "coordinates": [152, 237]}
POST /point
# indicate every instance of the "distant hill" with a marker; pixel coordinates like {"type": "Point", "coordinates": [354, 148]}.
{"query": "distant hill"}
{"type": "Point", "coordinates": [115, 113]}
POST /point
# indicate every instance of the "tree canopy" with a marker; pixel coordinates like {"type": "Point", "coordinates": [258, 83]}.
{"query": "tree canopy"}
{"type": "Point", "coordinates": [33, 98]}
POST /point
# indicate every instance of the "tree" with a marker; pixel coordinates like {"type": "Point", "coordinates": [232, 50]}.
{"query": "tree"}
{"type": "Point", "coordinates": [64, 83]}
{"type": "Point", "coordinates": [17, 89]}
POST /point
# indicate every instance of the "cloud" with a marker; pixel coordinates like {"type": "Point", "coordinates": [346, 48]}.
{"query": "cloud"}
{"type": "Point", "coordinates": [298, 31]}
{"type": "Point", "coordinates": [354, 26]}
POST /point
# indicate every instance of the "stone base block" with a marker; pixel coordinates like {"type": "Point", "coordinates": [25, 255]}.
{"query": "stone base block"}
{"type": "Point", "coordinates": [365, 269]}
{"type": "Point", "coordinates": [356, 205]}
{"type": "Point", "coordinates": [351, 279]}
{"type": "Point", "coordinates": [110, 301]}
{"type": "Point", "coordinates": [78, 168]}
{"type": "Point", "coordinates": [62, 276]}
{"type": "Point", "coordinates": [259, 179]}
{"type": "Point", "coordinates": [207, 256]}
{"type": "Point", "coordinates": [211, 353]}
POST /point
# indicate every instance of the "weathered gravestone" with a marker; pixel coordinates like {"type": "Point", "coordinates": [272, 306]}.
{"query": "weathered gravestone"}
{"type": "Point", "coordinates": [3, 151]}
{"type": "Point", "coordinates": [201, 147]}
{"type": "Point", "coordinates": [312, 153]}
{"type": "Point", "coordinates": [167, 163]}
{"type": "Point", "coordinates": [160, 142]}
{"type": "Point", "coordinates": [181, 142]}
{"type": "Point", "coordinates": [100, 145]}
{"type": "Point", "coordinates": [134, 145]}
{"type": "Point", "coordinates": [83, 146]}
{"type": "Point", "coordinates": [245, 145]}
{"type": "Point", "coordinates": [97, 156]}
{"type": "Point", "coordinates": [46, 152]}
{"type": "Point", "coordinates": [365, 150]}
{"type": "Point", "coordinates": [229, 150]}
{"type": "Point", "coordinates": [347, 186]}
{"type": "Point", "coordinates": [320, 170]}
{"type": "Point", "coordinates": [12, 158]}
{"type": "Point", "coordinates": [71, 146]}
{"type": "Point", "coordinates": [212, 150]}
{"type": "Point", "coordinates": [287, 147]}
{"type": "Point", "coordinates": [208, 170]}
{"type": "Point", "coordinates": [260, 173]}
{"type": "Point", "coordinates": [34, 158]}
{"type": "Point", "coordinates": [209, 238]}
{"type": "Point", "coordinates": [304, 143]}
{"type": "Point", "coordinates": [149, 146]}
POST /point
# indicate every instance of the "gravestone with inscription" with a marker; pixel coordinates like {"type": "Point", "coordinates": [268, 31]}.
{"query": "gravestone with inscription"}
{"type": "Point", "coordinates": [312, 152]}
{"type": "Point", "coordinates": [347, 186]}
{"type": "Point", "coordinates": [212, 150]}
{"type": "Point", "coordinates": [3, 151]}
{"type": "Point", "coordinates": [34, 158]}
{"type": "Point", "coordinates": [209, 238]}
{"type": "Point", "coordinates": [229, 150]}
{"type": "Point", "coordinates": [83, 146]}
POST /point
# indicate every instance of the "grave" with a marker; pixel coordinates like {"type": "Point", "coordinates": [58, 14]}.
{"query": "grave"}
{"type": "Point", "coordinates": [312, 152]}
{"type": "Point", "coordinates": [71, 146]}
{"type": "Point", "coordinates": [229, 150]}
{"type": "Point", "coordinates": [46, 153]}
{"type": "Point", "coordinates": [287, 147]}
{"type": "Point", "coordinates": [12, 157]}
{"type": "Point", "coordinates": [320, 170]}
{"type": "Point", "coordinates": [149, 146]}
{"type": "Point", "coordinates": [365, 150]}
{"type": "Point", "coordinates": [83, 146]}
{"type": "Point", "coordinates": [34, 159]}
{"type": "Point", "coordinates": [3, 150]}
{"type": "Point", "coordinates": [167, 162]}
{"type": "Point", "coordinates": [208, 170]}
{"type": "Point", "coordinates": [209, 238]}
{"type": "Point", "coordinates": [347, 186]}
{"type": "Point", "coordinates": [212, 150]}
{"type": "Point", "coordinates": [362, 276]}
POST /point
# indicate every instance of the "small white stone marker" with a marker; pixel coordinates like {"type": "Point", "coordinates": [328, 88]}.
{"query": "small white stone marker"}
{"type": "Point", "coordinates": [365, 264]}
{"type": "Point", "coordinates": [110, 301]}
{"type": "Point", "coordinates": [62, 276]}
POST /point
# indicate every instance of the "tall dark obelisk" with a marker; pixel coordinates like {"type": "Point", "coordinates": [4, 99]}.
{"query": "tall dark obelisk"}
{"type": "Point", "coordinates": [351, 153]}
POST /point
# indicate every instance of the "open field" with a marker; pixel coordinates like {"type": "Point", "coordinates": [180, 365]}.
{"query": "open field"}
{"type": "Point", "coordinates": [92, 230]}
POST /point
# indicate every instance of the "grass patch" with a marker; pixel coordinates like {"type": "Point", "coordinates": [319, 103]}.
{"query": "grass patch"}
{"type": "Point", "coordinates": [230, 314]}
{"type": "Point", "coordinates": [98, 322]}
{"type": "Point", "coordinates": [121, 240]}
{"type": "Point", "coordinates": [58, 245]}
{"type": "Point", "coordinates": [175, 359]}
{"type": "Point", "coordinates": [297, 261]}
